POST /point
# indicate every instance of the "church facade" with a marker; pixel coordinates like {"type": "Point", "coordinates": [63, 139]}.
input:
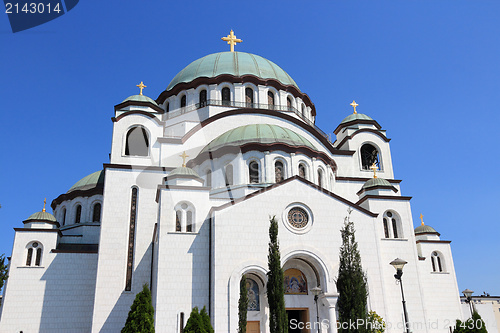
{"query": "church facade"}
{"type": "Point", "coordinates": [184, 206]}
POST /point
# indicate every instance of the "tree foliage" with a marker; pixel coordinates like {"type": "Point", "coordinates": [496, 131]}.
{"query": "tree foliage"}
{"type": "Point", "coordinates": [376, 324]}
{"type": "Point", "coordinates": [198, 322]}
{"type": "Point", "coordinates": [351, 281]}
{"type": "Point", "coordinates": [141, 316]}
{"type": "Point", "coordinates": [3, 271]}
{"type": "Point", "coordinates": [243, 306]}
{"type": "Point", "coordinates": [278, 321]}
{"type": "Point", "coordinates": [471, 325]}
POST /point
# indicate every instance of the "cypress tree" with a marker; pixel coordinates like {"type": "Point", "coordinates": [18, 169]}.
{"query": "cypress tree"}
{"type": "Point", "coordinates": [351, 281]}
{"type": "Point", "coordinates": [206, 320]}
{"type": "Point", "coordinates": [3, 271]}
{"type": "Point", "coordinates": [475, 324]}
{"type": "Point", "coordinates": [141, 316]}
{"type": "Point", "coordinates": [195, 323]}
{"type": "Point", "coordinates": [278, 321]}
{"type": "Point", "coordinates": [243, 306]}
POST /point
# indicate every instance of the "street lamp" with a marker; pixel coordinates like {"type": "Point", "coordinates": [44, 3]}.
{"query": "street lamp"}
{"type": "Point", "coordinates": [398, 264]}
{"type": "Point", "coordinates": [468, 299]}
{"type": "Point", "coordinates": [316, 291]}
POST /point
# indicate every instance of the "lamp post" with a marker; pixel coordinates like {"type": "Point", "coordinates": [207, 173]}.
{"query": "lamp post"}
{"type": "Point", "coordinates": [468, 299]}
{"type": "Point", "coordinates": [398, 264]}
{"type": "Point", "coordinates": [316, 291]}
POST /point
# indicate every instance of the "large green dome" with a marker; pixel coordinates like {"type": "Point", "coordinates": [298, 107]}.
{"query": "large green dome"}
{"type": "Point", "coordinates": [233, 63]}
{"type": "Point", "coordinates": [95, 179]}
{"type": "Point", "coordinates": [260, 133]}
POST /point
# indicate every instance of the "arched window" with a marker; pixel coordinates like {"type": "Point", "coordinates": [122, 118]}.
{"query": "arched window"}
{"type": "Point", "coordinates": [303, 110]}
{"type": "Point", "coordinates": [228, 174]}
{"type": "Point", "coordinates": [167, 107]}
{"type": "Point", "coordinates": [253, 295]}
{"type": "Point", "coordinates": [392, 225]}
{"type": "Point", "coordinates": [203, 98]}
{"type": "Point", "coordinates": [137, 143]}
{"type": "Point", "coordinates": [189, 221]}
{"type": "Point", "coordinates": [178, 217]}
{"type": "Point", "coordinates": [36, 248]}
{"type": "Point", "coordinates": [289, 104]}
{"type": "Point", "coordinates": [208, 180]}
{"type": "Point", "coordinates": [183, 101]}
{"type": "Point", "coordinates": [369, 155]}
{"type": "Point", "coordinates": [253, 171]}
{"type": "Point", "coordinates": [437, 262]}
{"type": "Point", "coordinates": [63, 215]}
{"type": "Point", "coordinates": [302, 171]}
{"type": "Point", "coordinates": [96, 213]}
{"type": "Point", "coordinates": [78, 214]}
{"type": "Point", "coordinates": [279, 172]}
{"type": "Point", "coordinates": [320, 178]}
{"type": "Point", "coordinates": [249, 97]}
{"type": "Point", "coordinates": [270, 100]}
{"type": "Point", "coordinates": [131, 239]}
{"type": "Point", "coordinates": [226, 96]}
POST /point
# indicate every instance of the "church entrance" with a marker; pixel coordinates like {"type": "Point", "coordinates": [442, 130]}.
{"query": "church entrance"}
{"type": "Point", "coordinates": [298, 320]}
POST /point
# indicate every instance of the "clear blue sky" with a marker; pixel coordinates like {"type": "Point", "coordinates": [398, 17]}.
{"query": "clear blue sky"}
{"type": "Point", "coordinates": [427, 71]}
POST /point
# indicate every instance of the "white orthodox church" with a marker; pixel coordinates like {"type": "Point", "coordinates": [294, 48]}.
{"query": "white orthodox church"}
{"type": "Point", "coordinates": [184, 206]}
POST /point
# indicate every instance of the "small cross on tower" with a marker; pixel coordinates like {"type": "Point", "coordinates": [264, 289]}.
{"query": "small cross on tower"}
{"type": "Point", "coordinates": [184, 156]}
{"type": "Point", "coordinates": [354, 104]}
{"type": "Point", "coordinates": [422, 218]}
{"type": "Point", "coordinates": [44, 202]}
{"type": "Point", "coordinates": [374, 167]}
{"type": "Point", "coordinates": [141, 86]}
{"type": "Point", "coordinates": [231, 40]}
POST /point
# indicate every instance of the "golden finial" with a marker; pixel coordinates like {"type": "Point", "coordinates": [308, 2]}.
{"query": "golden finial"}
{"type": "Point", "coordinates": [422, 218]}
{"type": "Point", "coordinates": [374, 167]}
{"type": "Point", "coordinates": [141, 86]}
{"type": "Point", "coordinates": [354, 104]}
{"type": "Point", "coordinates": [184, 155]}
{"type": "Point", "coordinates": [44, 202]}
{"type": "Point", "coordinates": [231, 40]}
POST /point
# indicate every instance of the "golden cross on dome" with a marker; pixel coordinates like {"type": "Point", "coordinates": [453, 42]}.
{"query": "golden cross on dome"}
{"type": "Point", "coordinates": [184, 155]}
{"type": "Point", "coordinates": [141, 86]}
{"type": "Point", "coordinates": [231, 40]}
{"type": "Point", "coordinates": [374, 168]}
{"type": "Point", "coordinates": [422, 218]}
{"type": "Point", "coordinates": [354, 104]}
{"type": "Point", "coordinates": [44, 202]}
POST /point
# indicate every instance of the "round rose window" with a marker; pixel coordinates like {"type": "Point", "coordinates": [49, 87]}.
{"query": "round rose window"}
{"type": "Point", "coordinates": [298, 217]}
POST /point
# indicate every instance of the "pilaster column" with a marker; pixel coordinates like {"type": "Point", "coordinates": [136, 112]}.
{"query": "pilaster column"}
{"type": "Point", "coordinates": [330, 300]}
{"type": "Point", "coordinates": [292, 168]}
{"type": "Point", "coordinates": [267, 167]}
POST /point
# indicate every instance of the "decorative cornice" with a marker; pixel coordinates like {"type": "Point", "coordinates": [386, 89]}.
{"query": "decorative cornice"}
{"type": "Point", "coordinates": [432, 241]}
{"type": "Point", "coordinates": [370, 130]}
{"type": "Point", "coordinates": [364, 180]}
{"type": "Point", "coordinates": [383, 197]}
{"type": "Point", "coordinates": [382, 187]}
{"type": "Point", "coordinates": [38, 230]}
{"type": "Point", "coordinates": [77, 193]}
{"type": "Point", "coordinates": [356, 121]}
{"type": "Point", "coordinates": [138, 103]}
{"type": "Point", "coordinates": [43, 221]}
{"type": "Point", "coordinates": [136, 167]}
{"type": "Point", "coordinates": [236, 79]}
{"type": "Point", "coordinates": [130, 113]}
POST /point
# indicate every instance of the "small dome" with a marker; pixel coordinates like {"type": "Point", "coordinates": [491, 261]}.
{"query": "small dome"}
{"type": "Point", "coordinates": [376, 182]}
{"type": "Point", "coordinates": [232, 63]}
{"type": "Point", "coordinates": [425, 229]}
{"type": "Point", "coordinates": [93, 180]}
{"type": "Point", "coordinates": [140, 98]}
{"type": "Point", "coordinates": [183, 172]}
{"type": "Point", "coordinates": [41, 216]}
{"type": "Point", "coordinates": [261, 133]}
{"type": "Point", "coordinates": [355, 116]}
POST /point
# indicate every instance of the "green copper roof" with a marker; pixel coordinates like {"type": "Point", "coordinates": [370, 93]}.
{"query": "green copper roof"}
{"type": "Point", "coordinates": [376, 182]}
{"type": "Point", "coordinates": [42, 216]}
{"type": "Point", "coordinates": [93, 180]}
{"type": "Point", "coordinates": [183, 171]}
{"type": "Point", "coordinates": [423, 229]}
{"type": "Point", "coordinates": [261, 133]}
{"type": "Point", "coordinates": [139, 98]}
{"type": "Point", "coordinates": [355, 116]}
{"type": "Point", "coordinates": [234, 63]}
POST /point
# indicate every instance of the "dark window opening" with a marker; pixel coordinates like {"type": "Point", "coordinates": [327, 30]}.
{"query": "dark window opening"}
{"type": "Point", "coordinates": [249, 97]}
{"type": "Point", "coordinates": [203, 98]}
{"type": "Point", "coordinates": [386, 228]}
{"type": "Point", "coordinates": [181, 323]}
{"type": "Point", "coordinates": [78, 214]}
{"type": "Point", "coordinates": [278, 172]}
{"type": "Point", "coordinates": [226, 96]}
{"type": "Point", "coordinates": [302, 171]}
{"type": "Point", "coordinates": [137, 142]}
{"type": "Point", "coordinates": [303, 110]}
{"type": "Point", "coordinates": [131, 240]}
{"type": "Point", "coordinates": [178, 221]}
{"type": "Point", "coordinates": [369, 155]}
{"type": "Point", "coordinates": [38, 256]}
{"type": "Point", "coordinates": [433, 264]}
{"type": "Point", "coordinates": [64, 216]}
{"type": "Point", "coordinates": [439, 263]}
{"type": "Point", "coordinates": [253, 170]}
{"type": "Point", "coordinates": [183, 101]}
{"type": "Point", "coordinates": [96, 215]}
{"type": "Point", "coordinates": [270, 100]}
{"type": "Point", "coordinates": [320, 178]}
{"type": "Point", "coordinates": [30, 255]}
{"type": "Point", "coordinates": [289, 104]}
{"type": "Point", "coordinates": [229, 174]}
{"type": "Point", "coordinates": [167, 107]}
{"type": "Point", "coordinates": [189, 221]}
{"type": "Point", "coordinates": [395, 228]}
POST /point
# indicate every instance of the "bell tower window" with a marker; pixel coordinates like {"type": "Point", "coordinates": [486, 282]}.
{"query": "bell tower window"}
{"type": "Point", "coordinates": [278, 172]}
{"type": "Point", "coordinates": [78, 214]}
{"type": "Point", "coordinates": [302, 171]}
{"type": "Point", "coordinates": [137, 143]}
{"type": "Point", "coordinates": [183, 101]}
{"type": "Point", "coordinates": [226, 96]}
{"type": "Point", "coordinates": [369, 155]}
{"type": "Point", "coordinates": [203, 98]}
{"type": "Point", "coordinates": [270, 100]}
{"type": "Point", "coordinates": [249, 97]}
{"type": "Point", "coordinates": [289, 104]}
{"type": "Point", "coordinates": [253, 170]}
